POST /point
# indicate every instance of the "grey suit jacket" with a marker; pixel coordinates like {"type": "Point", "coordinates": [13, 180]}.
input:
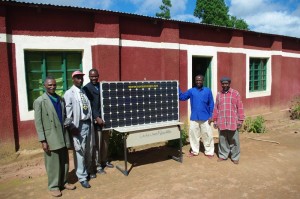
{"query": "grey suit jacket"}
{"type": "Point", "coordinates": [73, 110]}
{"type": "Point", "coordinates": [48, 125]}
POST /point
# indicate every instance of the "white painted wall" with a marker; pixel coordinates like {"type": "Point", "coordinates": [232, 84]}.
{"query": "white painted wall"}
{"type": "Point", "coordinates": [24, 42]}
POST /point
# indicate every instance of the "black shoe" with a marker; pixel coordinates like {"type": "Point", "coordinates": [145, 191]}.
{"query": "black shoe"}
{"type": "Point", "coordinates": [109, 165]}
{"type": "Point", "coordinates": [85, 184]}
{"type": "Point", "coordinates": [101, 171]}
{"type": "Point", "coordinates": [93, 175]}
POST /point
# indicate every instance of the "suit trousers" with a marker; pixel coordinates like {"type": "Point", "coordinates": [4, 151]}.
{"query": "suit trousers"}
{"type": "Point", "coordinates": [229, 142]}
{"type": "Point", "coordinates": [102, 141]}
{"type": "Point", "coordinates": [201, 129]}
{"type": "Point", "coordinates": [83, 152]}
{"type": "Point", "coordinates": [57, 167]}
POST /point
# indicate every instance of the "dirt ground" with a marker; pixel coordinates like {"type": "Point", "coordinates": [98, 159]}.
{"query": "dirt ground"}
{"type": "Point", "coordinates": [266, 170]}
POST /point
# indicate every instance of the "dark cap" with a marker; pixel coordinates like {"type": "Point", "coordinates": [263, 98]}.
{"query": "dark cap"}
{"type": "Point", "coordinates": [223, 79]}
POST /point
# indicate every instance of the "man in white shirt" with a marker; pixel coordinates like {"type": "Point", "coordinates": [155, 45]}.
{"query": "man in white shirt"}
{"type": "Point", "coordinates": [79, 117]}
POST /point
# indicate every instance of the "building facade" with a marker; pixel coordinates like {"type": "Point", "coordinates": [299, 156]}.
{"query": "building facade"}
{"type": "Point", "coordinates": [37, 40]}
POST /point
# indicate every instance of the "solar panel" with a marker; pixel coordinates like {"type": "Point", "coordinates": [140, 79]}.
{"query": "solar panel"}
{"type": "Point", "coordinates": [130, 103]}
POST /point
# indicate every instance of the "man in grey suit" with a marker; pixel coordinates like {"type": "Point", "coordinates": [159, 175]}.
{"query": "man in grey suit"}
{"type": "Point", "coordinates": [49, 119]}
{"type": "Point", "coordinates": [79, 115]}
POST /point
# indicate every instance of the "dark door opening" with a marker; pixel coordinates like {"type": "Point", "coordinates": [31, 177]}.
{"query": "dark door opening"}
{"type": "Point", "coordinates": [202, 66]}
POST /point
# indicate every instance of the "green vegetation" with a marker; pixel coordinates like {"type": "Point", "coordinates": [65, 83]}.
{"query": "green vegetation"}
{"type": "Point", "coordinates": [184, 136]}
{"type": "Point", "coordinates": [165, 9]}
{"type": "Point", "coordinates": [116, 145]}
{"type": "Point", "coordinates": [295, 108]}
{"type": "Point", "coordinates": [255, 125]}
{"type": "Point", "coordinates": [216, 12]}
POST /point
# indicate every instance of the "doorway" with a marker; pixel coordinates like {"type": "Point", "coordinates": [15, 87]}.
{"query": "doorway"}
{"type": "Point", "coordinates": [202, 66]}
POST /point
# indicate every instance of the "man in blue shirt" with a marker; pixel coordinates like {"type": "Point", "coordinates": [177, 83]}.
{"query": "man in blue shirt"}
{"type": "Point", "coordinates": [202, 105]}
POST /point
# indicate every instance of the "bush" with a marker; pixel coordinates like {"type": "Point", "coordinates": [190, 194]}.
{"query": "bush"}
{"type": "Point", "coordinates": [184, 136]}
{"type": "Point", "coordinates": [256, 125]}
{"type": "Point", "coordinates": [116, 145]}
{"type": "Point", "coordinates": [295, 108]}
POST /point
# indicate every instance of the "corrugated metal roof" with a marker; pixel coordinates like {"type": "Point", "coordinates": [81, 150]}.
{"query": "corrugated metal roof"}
{"type": "Point", "coordinates": [137, 15]}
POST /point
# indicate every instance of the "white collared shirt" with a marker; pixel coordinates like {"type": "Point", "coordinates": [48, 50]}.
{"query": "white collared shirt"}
{"type": "Point", "coordinates": [82, 115]}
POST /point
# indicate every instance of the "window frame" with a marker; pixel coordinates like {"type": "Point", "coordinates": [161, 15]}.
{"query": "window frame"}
{"type": "Point", "coordinates": [45, 70]}
{"type": "Point", "coordinates": [258, 54]}
{"type": "Point", "coordinates": [257, 67]}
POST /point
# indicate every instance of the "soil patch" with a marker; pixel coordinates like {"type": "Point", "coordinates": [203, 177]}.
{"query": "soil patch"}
{"type": "Point", "coordinates": [266, 170]}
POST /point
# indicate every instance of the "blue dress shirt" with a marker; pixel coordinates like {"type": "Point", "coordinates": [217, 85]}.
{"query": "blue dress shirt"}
{"type": "Point", "coordinates": [202, 103]}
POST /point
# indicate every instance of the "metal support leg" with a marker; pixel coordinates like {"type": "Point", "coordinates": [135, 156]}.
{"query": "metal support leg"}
{"type": "Point", "coordinates": [179, 159]}
{"type": "Point", "coordinates": [124, 171]}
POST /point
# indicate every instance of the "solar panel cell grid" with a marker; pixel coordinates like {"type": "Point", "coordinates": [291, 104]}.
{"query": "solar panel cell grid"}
{"type": "Point", "coordinates": [139, 103]}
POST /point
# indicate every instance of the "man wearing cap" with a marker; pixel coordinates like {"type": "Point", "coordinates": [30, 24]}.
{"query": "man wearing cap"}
{"type": "Point", "coordinates": [49, 118]}
{"type": "Point", "coordinates": [202, 105]}
{"type": "Point", "coordinates": [228, 117]}
{"type": "Point", "coordinates": [79, 115]}
{"type": "Point", "coordinates": [92, 90]}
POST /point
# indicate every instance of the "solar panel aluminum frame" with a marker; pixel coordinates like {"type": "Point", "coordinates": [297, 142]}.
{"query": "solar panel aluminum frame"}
{"type": "Point", "coordinates": [136, 103]}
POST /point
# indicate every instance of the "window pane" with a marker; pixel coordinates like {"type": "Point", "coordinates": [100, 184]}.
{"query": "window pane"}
{"type": "Point", "coordinates": [34, 81]}
{"type": "Point", "coordinates": [34, 61]}
{"type": "Point", "coordinates": [255, 85]}
{"type": "Point", "coordinates": [250, 86]}
{"type": "Point", "coordinates": [40, 64]}
{"type": "Point", "coordinates": [257, 74]}
{"type": "Point", "coordinates": [73, 61]}
{"type": "Point", "coordinates": [33, 95]}
{"type": "Point", "coordinates": [69, 79]}
{"type": "Point", "coordinates": [53, 61]}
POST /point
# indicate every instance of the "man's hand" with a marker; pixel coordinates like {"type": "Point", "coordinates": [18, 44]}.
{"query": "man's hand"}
{"type": "Point", "coordinates": [45, 146]}
{"type": "Point", "coordinates": [210, 121]}
{"type": "Point", "coordinates": [100, 122]}
{"type": "Point", "coordinates": [74, 131]}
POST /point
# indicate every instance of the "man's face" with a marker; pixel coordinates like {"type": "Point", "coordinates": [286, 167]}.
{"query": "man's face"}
{"type": "Point", "coordinates": [225, 85]}
{"type": "Point", "coordinates": [50, 86]}
{"type": "Point", "coordinates": [199, 81]}
{"type": "Point", "coordinates": [78, 80]}
{"type": "Point", "coordinates": [94, 76]}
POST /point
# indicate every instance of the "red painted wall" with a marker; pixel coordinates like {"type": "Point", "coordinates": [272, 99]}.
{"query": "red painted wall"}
{"type": "Point", "coordinates": [50, 22]}
{"type": "Point", "coordinates": [7, 94]}
{"type": "Point", "coordinates": [106, 60]}
{"type": "Point", "coordinates": [140, 64]}
{"type": "Point", "coordinates": [6, 102]}
{"type": "Point", "coordinates": [141, 29]}
{"type": "Point", "coordinates": [257, 41]}
{"type": "Point", "coordinates": [106, 25]}
{"type": "Point", "coordinates": [183, 82]}
{"type": "Point", "coordinates": [276, 78]}
{"type": "Point", "coordinates": [134, 63]}
{"type": "Point", "coordinates": [204, 35]}
{"type": "Point", "coordinates": [233, 65]}
{"type": "Point", "coordinates": [290, 80]}
{"type": "Point", "coordinates": [291, 45]}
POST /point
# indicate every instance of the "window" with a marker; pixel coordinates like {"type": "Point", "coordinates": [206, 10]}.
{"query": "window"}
{"type": "Point", "coordinates": [40, 64]}
{"type": "Point", "coordinates": [257, 74]}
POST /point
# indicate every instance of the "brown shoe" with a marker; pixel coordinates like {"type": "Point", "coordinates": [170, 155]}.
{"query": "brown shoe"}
{"type": "Point", "coordinates": [221, 159]}
{"type": "Point", "coordinates": [55, 193]}
{"type": "Point", "coordinates": [70, 186]}
{"type": "Point", "coordinates": [235, 161]}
